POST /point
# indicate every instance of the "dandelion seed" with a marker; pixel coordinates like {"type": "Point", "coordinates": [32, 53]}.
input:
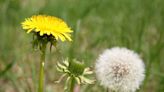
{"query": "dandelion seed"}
{"type": "Point", "coordinates": [120, 70]}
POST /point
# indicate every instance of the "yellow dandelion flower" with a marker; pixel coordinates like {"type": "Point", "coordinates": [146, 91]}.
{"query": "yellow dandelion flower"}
{"type": "Point", "coordinates": [48, 25]}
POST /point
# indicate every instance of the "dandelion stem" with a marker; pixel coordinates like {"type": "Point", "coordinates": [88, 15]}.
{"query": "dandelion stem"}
{"type": "Point", "coordinates": [107, 90]}
{"type": "Point", "coordinates": [72, 84]}
{"type": "Point", "coordinates": [41, 72]}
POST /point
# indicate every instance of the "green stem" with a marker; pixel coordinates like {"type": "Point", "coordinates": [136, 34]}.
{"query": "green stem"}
{"type": "Point", "coordinates": [41, 72]}
{"type": "Point", "coordinates": [106, 89]}
{"type": "Point", "coordinates": [72, 84]}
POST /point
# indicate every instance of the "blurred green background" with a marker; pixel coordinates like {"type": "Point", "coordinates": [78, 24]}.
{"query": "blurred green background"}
{"type": "Point", "coordinates": [97, 25]}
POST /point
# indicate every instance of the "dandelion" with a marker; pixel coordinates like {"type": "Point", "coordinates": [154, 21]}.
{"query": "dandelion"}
{"type": "Point", "coordinates": [48, 25]}
{"type": "Point", "coordinates": [46, 29]}
{"type": "Point", "coordinates": [120, 70]}
{"type": "Point", "coordinates": [75, 72]}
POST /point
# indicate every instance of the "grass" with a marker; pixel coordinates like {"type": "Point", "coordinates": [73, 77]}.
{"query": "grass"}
{"type": "Point", "coordinates": [98, 24]}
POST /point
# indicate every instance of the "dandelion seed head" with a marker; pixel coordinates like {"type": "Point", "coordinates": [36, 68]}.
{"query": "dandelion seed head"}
{"type": "Point", "coordinates": [120, 69]}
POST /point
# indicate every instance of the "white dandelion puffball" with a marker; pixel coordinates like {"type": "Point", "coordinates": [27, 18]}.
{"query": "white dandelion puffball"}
{"type": "Point", "coordinates": [120, 70]}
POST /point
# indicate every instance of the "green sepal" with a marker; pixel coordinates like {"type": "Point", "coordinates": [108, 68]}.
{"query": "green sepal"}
{"type": "Point", "coordinates": [76, 67]}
